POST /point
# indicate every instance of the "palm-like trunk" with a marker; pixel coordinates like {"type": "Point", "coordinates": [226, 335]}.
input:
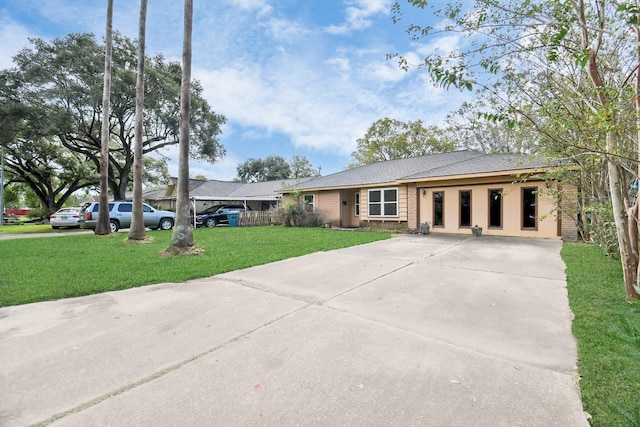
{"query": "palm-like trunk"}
{"type": "Point", "coordinates": [137, 230]}
{"type": "Point", "coordinates": [182, 232]}
{"type": "Point", "coordinates": [102, 226]}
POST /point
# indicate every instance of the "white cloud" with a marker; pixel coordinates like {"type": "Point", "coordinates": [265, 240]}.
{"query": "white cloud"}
{"type": "Point", "coordinates": [14, 37]}
{"type": "Point", "coordinates": [359, 14]}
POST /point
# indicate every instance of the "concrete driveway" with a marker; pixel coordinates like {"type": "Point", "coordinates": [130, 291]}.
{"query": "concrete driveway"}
{"type": "Point", "coordinates": [417, 330]}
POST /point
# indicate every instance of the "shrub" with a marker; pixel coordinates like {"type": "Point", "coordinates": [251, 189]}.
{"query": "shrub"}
{"type": "Point", "coordinates": [295, 215]}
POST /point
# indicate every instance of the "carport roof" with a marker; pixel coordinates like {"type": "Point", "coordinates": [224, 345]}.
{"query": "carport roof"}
{"type": "Point", "coordinates": [229, 190]}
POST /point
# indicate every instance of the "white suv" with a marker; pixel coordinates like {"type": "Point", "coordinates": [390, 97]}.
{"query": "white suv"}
{"type": "Point", "coordinates": [120, 214]}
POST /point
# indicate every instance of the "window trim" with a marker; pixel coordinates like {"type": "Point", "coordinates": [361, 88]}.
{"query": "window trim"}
{"type": "Point", "coordinates": [356, 203]}
{"type": "Point", "coordinates": [460, 208]}
{"type": "Point", "coordinates": [433, 198]}
{"type": "Point", "coordinates": [535, 191]}
{"type": "Point", "coordinates": [382, 202]}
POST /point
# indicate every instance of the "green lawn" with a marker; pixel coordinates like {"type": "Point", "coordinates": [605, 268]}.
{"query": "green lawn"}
{"type": "Point", "coordinates": [607, 330]}
{"type": "Point", "coordinates": [49, 268]}
{"type": "Point", "coordinates": [33, 228]}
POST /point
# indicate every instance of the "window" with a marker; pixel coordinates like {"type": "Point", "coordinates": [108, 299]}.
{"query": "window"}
{"type": "Point", "coordinates": [383, 202]}
{"type": "Point", "coordinates": [529, 208]}
{"type": "Point", "coordinates": [309, 202]}
{"type": "Point", "coordinates": [438, 208]}
{"type": "Point", "coordinates": [465, 208]}
{"type": "Point", "coordinates": [495, 208]}
{"type": "Point", "coordinates": [357, 203]}
{"type": "Point", "coordinates": [125, 207]}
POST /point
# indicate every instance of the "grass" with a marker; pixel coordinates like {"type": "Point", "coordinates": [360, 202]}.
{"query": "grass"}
{"type": "Point", "coordinates": [33, 228]}
{"type": "Point", "coordinates": [40, 269]}
{"type": "Point", "coordinates": [607, 331]}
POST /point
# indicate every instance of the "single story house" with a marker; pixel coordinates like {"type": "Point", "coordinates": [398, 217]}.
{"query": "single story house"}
{"type": "Point", "coordinates": [203, 194]}
{"type": "Point", "coordinates": [505, 194]}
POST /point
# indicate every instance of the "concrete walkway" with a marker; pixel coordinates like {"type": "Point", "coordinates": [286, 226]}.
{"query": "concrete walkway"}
{"type": "Point", "coordinates": [416, 330]}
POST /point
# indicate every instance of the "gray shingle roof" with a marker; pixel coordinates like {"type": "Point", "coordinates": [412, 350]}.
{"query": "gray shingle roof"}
{"type": "Point", "coordinates": [485, 163]}
{"type": "Point", "coordinates": [227, 190]}
{"type": "Point", "coordinates": [433, 165]}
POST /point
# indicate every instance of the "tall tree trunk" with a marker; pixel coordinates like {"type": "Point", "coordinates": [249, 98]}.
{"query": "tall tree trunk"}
{"type": "Point", "coordinates": [182, 232]}
{"type": "Point", "coordinates": [137, 230]}
{"type": "Point", "coordinates": [628, 253]}
{"type": "Point", "coordinates": [633, 292]}
{"type": "Point", "coordinates": [102, 226]}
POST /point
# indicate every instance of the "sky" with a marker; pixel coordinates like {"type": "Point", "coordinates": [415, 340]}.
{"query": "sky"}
{"type": "Point", "coordinates": [292, 77]}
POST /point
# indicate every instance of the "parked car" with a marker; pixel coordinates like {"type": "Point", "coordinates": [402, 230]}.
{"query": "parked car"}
{"type": "Point", "coordinates": [120, 214]}
{"type": "Point", "coordinates": [65, 217]}
{"type": "Point", "coordinates": [216, 215]}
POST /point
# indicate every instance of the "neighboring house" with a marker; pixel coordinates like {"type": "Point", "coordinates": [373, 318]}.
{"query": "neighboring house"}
{"type": "Point", "coordinates": [206, 193]}
{"type": "Point", "coordinates": [504, 194]}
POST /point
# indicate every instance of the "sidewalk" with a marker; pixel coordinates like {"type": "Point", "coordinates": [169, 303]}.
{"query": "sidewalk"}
{"type": "Point", "coordinates": [416, 330]}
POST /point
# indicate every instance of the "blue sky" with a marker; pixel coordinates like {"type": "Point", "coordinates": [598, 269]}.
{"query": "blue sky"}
{"type": "Point", "coordinates": [293, 77]}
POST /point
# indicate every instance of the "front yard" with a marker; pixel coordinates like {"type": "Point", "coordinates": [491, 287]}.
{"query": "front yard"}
{"type": "Point", "coordinates": [606, 329]}
{"type": "Point", "coordinates": [49, 268]}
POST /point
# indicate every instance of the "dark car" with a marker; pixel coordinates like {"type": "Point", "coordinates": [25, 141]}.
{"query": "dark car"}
{"type": "Point", "coordinates": [218, 215]}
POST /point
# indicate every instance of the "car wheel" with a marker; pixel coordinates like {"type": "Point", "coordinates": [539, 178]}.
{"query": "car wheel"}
{"type": "Point", "coordinates": [166, 224]}
{"type": "Point", "coordinates": [210, 222]}
{"type": "Point", "coordinates": [114, 226]}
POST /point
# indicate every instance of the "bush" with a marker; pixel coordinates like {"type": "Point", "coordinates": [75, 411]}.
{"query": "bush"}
{"type": "Point", "coordinates": [39, 214]}
{"type": "Point", "coordinates": [295, 215]}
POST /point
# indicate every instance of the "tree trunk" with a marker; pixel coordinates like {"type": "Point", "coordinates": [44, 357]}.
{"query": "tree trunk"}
{"type": "Point", "coordinates": [102, 226]}
{"type": "Point", "coordinates": [137, 230]}
{"type": "Point", "coordinates": [628, 254]}
{"type": "Point", "coordinates": [182, 232]}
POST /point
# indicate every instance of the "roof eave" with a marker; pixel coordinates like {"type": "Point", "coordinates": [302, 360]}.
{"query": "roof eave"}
{"type": "Point", "coordinates": [512, 172]}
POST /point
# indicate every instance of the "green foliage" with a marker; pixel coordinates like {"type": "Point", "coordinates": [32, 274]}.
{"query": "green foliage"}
{"type": "Point", "coordinates": [296, 214]}
{"type": "Point", "coordinates": [388, 139]}
{"type": "Point", "coordinates": [602, 228]}
{"type": "Point", "coordinates": [607, 330]}
{"type": "Point", "coordinates": [35, 269]}
{"type": "Point", "coordinates": [274, 168]}
{"type": "Point", "coordinates": [301, 167]}
{"type": "Point", "coordinates": [58, 87]}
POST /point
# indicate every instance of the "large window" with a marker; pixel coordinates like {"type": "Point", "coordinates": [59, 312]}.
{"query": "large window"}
{"type": "Point", "coordinates": [383, 202]}
{"type": "Point", "coordinates": [438, 208]}
{"type": "Point", "coordinates": [309, 202]}
{"type": "Point", "coordinates": [529, 208]}
{"type": "Point", "coordinates": [357, 204]}
{"type": "Point", "coordinates": [495, 208]}
{"type": "Point", "coordinates": [465, 208]}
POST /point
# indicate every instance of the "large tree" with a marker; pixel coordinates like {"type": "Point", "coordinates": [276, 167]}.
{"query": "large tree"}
{"type": "Point", "coordinates": [137, 230]}
{"type": "Point", "coordinates": [103, 225]}
{"type": "Point", "coordinates": [63, 78]}
{"type": "Point", "coordinates": [182, 238]}
{"type": "Point", "coordinates": [388, 139]}
{"type": "Point", "coordinates": [271, 168]}
{"type": "Point", "coordinates": [34, 155]}
{"type": "Point", "coordinates": [586, 50]}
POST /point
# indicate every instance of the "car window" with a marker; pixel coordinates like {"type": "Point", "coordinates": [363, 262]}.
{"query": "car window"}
{"type": "Point", "coordinates": [95, 208]}
{"type": "Point", "coordinates": [146, 208]}
{"type": "Point", "coordinates": [125, 207]}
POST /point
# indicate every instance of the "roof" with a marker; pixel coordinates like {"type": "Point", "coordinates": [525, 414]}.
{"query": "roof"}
{"type": "Point", "coordinates": [231, 190]}
{"type": "Point", "coordinates": [449, 164]}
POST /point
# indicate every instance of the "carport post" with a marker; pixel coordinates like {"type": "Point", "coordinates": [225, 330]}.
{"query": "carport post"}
{"type": "Point", "coordinates": [194, 212]}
